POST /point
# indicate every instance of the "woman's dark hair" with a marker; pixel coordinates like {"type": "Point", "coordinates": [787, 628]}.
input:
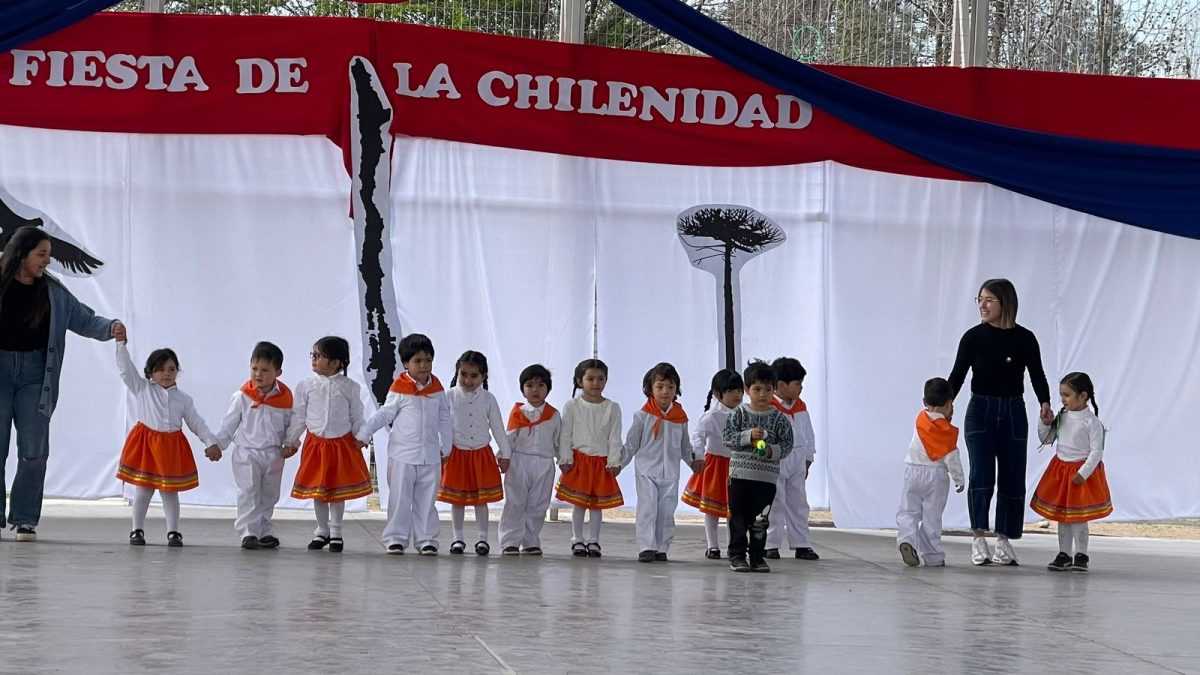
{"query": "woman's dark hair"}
{"type": "Point", "coordinates": [334, 348]}
{"type": "Point", "coordinates": [725, 380]}
{"type": "Point", "coordinates": [1080, 383]}
{"type": "Point", "coordinates": [661, 371]}
{"type": "Point", "coordinates": [16, 250]}
{"type": "Point", "coordinates": [476, 359]}
{"type": "Point", "coordinates": [1006, 293]}
{"type": "Point", "coordinates": [584, 366]}
{"type": "Point", "coordinates": [535, 372]}
{"type": "Point", "coordinates": [758, 372]}
{"type": "Point", "coordinates": [158, 359]}
{"type": "Point", "coordinates": [413, 343]}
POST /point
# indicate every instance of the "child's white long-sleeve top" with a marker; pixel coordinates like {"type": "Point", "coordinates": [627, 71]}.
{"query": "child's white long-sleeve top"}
{"type": "Point", "coordinates": [255, 421]}
{"type": "Point", "coordinates": [936, 437]}
{"type": "Point", "coordinates": [421, 418]}
{"type": "Point", "coordinates": [164, 410]}
{"type": "Point", "coordinates": [658, 441]}
{"type": "Point", "coordinates": [329, 406]}
{"type": "Point", "coordinates": [1080, 436]}
{"type": "Point", "coordinates": [477, 420]}
{"type": "Point", "coordinates": [593, 429]}
{"type": "Point", "coordinates": [706, 435]}
{"type": "Point", "coordinates": [802, 429]}
{"type": "Point", "coordinates": [533, 431]}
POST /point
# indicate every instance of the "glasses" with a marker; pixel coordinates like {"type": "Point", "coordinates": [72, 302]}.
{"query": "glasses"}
{"type": "Point", "coordinates": [987, 301]}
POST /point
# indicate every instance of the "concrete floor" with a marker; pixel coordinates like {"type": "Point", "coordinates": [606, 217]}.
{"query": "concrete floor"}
{"type": "Point", "coordinates": [81, 600]}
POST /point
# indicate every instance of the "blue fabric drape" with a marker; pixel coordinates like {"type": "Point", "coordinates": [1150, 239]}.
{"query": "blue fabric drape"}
{"type": "Point", "coordinates": [1152, 187]}
{"type": "Point", "coordinates": [23, 21]}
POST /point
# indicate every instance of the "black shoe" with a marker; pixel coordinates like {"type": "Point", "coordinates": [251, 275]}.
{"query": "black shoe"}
{"type": "Point", "coordinates": [336, 545]}
{"type": "Point", "coordinates": [661, 556]}
{"type": "Point", "coordinates": [908, 554]}
{"type": "Point", "coordinates": [646, 556]}
{"type": "Point", "coordinates": [318, 542]}
{"type": "Point", "coordinates": [26, 533]}
{"type": "Point", "coordinates": [807, 554]}
{"type": "Point", "coordinates": [739, 564]}
{"type": "Point", "coordinates": [713, 554]}
{"type": "Point", "coordinates": [482, 548]}
{"type": "Point", "coordinates": [269, 541]}
{"type": "Point", "coordinates": [137, 538]}
{"type": "Point", "coordinates": [1081, 563]}
{"type": "Point", "coordinates": [772, 554]}
{"type": "Point", "coordinates": [759, 566]}
{"type": "Point", "coordinates": [532, 550]}
{"type": "Point", "coordinates": [579, 549]}
{"type": "Point", "coordinates": [174, 539]}
{"type": "Point", "coordinates": [1061, 563]}
{"type": "Point", "coordinates": [593, 550]}
{"type": "Point", "coordinates": [395, 549]}
{"type": "Point", "coordinates": [511, 550]}
{"type": "Point", "coordinates": [457, 547]}
{"type": "Point", "coordinates": [250, 542]}
{"type": "Point", "coordinates": [429, 549]}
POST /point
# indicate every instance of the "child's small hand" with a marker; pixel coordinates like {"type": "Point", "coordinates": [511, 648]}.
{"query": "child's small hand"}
{"type": "Point", "coordinates": [1078, 480]}
{"type": "Point", "coordinates": [288, 451]}
{"type": "Point", "coordinates": [615, 471]}
{"type": "Point", "coordinates": [503, 463]}
{"type": "Point", "coordinates": [960, 488]}
{"type": "Point", "coordinates": [445, 459]}
{"type": "Point", "coordinates": [119, 333]}
{"type": "Point", "coordinates": [566, 468]}
{"type": "Point", "coordinates": [213, 452]}
{"type": "Point", "coordinates": [360, 444]}
{"type": "Point", "coordinates": [697, 465]}
{"type": "Point", "coordinates": [757, 434]}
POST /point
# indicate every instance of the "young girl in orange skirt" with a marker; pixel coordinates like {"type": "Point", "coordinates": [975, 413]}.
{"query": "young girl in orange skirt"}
{"type": "Point", "coordinates": [471, 475]}
{"type": "Point", "coordinates": [1074, 489]}
{"type": "Point", "coordinates": [157, 455]}
{"type": "Point", "coordinates": [709, 489]}
{"type": "Point", "coordinates": [332, 469]}
{"type": "Point", "coordinates": [591, 442]}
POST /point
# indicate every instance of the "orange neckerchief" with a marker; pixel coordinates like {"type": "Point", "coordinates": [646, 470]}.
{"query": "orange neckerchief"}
{"type": "Point", "coordinates": [939, 437]}
{"type": "Point", "coordinates": [675, 414]}
{"type": "Point", "coordinates": [797, 406]}
{"type": "Point", "coordinates": [406, 385]}
{"type": "Point", "coordinates": [518, 420]}
{"type": "Point", "coordinates": [276, 399]}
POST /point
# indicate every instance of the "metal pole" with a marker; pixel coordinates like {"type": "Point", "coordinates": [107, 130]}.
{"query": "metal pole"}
{"type": "Point", "coordinates": [979, 33]}
{"type": "Point", "coordinates": [153, 6]}
{"type": "Point", "coordinates": [969, 48]}
{"type": "Point", "coordinates": [570, 21]}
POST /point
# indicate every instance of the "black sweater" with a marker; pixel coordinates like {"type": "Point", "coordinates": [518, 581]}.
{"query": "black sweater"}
{"type": "Point", "coordinates": [16, 308]}
{"type": "Point", "coordinates": [997, 358]}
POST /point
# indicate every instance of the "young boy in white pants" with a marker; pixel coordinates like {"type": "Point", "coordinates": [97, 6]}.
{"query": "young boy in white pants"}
{"type": "Point", "coordinates": [933, 460]}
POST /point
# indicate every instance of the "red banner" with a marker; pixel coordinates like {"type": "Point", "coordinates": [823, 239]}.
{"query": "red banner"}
{"type": "Point", "coordinates": [272, 75]}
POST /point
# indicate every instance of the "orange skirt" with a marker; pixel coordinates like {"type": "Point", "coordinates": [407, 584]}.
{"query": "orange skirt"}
{"type": "Point", "coordinates": [1060, 500]}
{"type": "Point", "coordinates": [161, 460]}
{"type": "Point", "coordinates": [331, 470]}
{"type": "Point", "coordinates": [589, 485]}
{"type": "Point", "coordinates": [709, 489]}
{"type": "Point", "coordinates": [470, 477]}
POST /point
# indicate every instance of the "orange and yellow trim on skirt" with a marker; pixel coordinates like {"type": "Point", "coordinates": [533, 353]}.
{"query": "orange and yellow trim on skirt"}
{"type": "Point", "coordinates": [709, 489]}
{"type": "Point", "coordinates": [160, 460]}
{"type": "Point", "coordinates": [1057, 498]}
{"type": "Point", "coordinates": [470, 477]}
{"type": "Point", "coordinates": [331, 470]}
{"type": "Point", "coordinates": [589, 485]}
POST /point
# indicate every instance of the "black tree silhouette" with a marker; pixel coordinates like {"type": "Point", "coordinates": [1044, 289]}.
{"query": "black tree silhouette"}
{"type": "Point", "coordinates": [734, 231]}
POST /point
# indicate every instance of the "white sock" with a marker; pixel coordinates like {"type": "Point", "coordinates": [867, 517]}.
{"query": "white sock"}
{"type": "Point", "coordinates": [1081, 538]}
{"type": "Point", "coordinates": [458, 516]}
{"type": "Point", "coordinates": [1065, 537]}
{"type": "Point", "coordinates": [482, 516]}
{"type": "Point", "coordinates": [594, 524]}
{"type": "Point", "coordinates": [577, 515]}
{"type": "Point", "coordinates": [141, 504]}
{"type": "Point", "coordinates": [336, 511]}
{"type": "Point", "coordinates": [170, 502]}
{"type": "Point", "coordinates": [710, 529]}
{"type": "Point", "coordinates": [321, 511]}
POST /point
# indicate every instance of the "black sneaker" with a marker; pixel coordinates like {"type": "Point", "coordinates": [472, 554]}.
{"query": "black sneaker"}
{"type": "Point", "coordinates": [807, 554]}
{"type": "Point", "coordinates": [175, 539]}
{"type": "Point", "coordinates": [646, 556]}
{"type": "Point", "coordinates": [336, 545]}
{"type": "Point", "coordinates": [395, 549]}
{"type": "Point", "coordinates": [250, 542]}
{"type": "Point", "coordinates": [739, 564]}
{"type": "Point", "coordinates": [318, 542]}
{"type": "Point", "coordinates": [713, 554]}
{"type": "Point", "coordinates": [772, 554]}
{"type": "Point", "coordinates": [661, 556]}
{"type": "Point", "coordinates": [26, 533]}
{"type": "Point", "coordinates": [429, 550]}
{"type": "Point", "coordinates": [269, 541]}
{"type": "Point", "coordinates": [511, 550]}
{"type": "Point", "coordinates": [532, 550]}
{"type": "Point", "coordinates": [1061, 563]}
{"type": "Point", "coordinates": [759, 566]}
{"type": "Point", "coordinates": [137, 538]}
{"type": "Point", "coordinates": [1081, 563]}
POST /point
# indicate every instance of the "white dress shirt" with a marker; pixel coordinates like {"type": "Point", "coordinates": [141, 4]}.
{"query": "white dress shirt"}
{"type": "Point", "coordinates": [329, 406]}
{"type": "Point", "coordinates": [477, 420]}
{"type": "Point", "coordinates": [164, 410]}
{"type": "Point", "coordinates": [1080, 436]}
{"type": "Point", "coordinates": [918, 456]}
{"type": "Point", "coordinates": [541, 440]}
{"type": "Point", "coordinates": [593, 429]}
{"type": "Point", "coordinates": [657, 456]}
{"type": "Point", "coordinates": [706, 434]}
{"type": "Point", "coordinates": [257, 428]}
{"type": "Point", "coordinates": [422, 427]}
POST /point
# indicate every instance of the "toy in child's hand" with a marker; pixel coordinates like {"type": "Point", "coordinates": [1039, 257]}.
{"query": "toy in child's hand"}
{"type": "Point", "coordinates": [760, 447]}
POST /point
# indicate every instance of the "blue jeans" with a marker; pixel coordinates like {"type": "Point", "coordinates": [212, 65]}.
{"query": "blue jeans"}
{"type": "Point", "coordinates": [997, 441]}
{"type": "Point", "coordinates": [21, 376]}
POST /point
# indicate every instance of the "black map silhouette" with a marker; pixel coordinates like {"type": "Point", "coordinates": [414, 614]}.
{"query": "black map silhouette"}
{"type": "Point", "coordinates": [69, 255]}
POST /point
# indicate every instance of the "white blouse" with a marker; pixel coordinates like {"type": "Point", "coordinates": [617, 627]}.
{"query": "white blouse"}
{"type": "Point", "coordinates": [1080, 436]}
{"type": "Point", "coordinates": [164, 410]}
{"type": "Point", "coordinates": [328, 406]}
{"type": "Point", "coordinates": [593, 429]}
{"type": "Point", "coordinates": [706, 434]}
{"type": "Point", "coordinates": [477, 420]}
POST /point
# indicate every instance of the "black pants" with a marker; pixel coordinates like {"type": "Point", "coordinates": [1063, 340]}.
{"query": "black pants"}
{"type": "Point", "coordinates": [749, 500]}
{"type": "Point", "coordinates": [997, 431]}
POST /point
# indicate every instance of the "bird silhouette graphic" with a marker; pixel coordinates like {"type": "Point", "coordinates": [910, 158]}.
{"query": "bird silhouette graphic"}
{"type": "Point", "coordinates": [71, 257]}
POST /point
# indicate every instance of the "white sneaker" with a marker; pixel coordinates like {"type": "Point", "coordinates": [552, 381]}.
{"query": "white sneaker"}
{"type": "Point", "coordinates": [1004, 553]}
{"type": "Point", "coordinates": [980, 555]}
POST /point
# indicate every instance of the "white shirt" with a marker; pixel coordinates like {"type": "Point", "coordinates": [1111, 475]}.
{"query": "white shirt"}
{"type": "Point", "coordinates": [593, 429]}
{"type": "Point", "coordinates": [917, 455]}
{"type": "Point", "coordinates": [657, 457]}
{"type": "Point", "coordinates": [254, 428]}
{"type": "Point", "coordinates": [706, 435]}
{"type": "Point", "coordinates": [477, 420]}
{"type": "Point", "coordinates": [422, 427]}
{"type": "Point", "coordinates": [164, 410]}
{"type": "Point", "coordinates": [541, 440]}
{"type": "Point", "coordinates": [1080, 436]}
{"type": "Point", "coordinates": [804, 441]}
{"type": "Point", "coordinates": [328, 406]}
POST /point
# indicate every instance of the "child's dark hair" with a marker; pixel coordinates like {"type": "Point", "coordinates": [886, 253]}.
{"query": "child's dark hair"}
{"type": "Point", "coordinates": [535, 372]}
{"type": "Point", "coordinates": [661, 371]}
{"type": "Point", "coordinates": [267, 351]}
{"type": "Point", "coordinates": [788, 369]}
{"type": "Point", "coordinates": [1081, 383]}
{"type": "Point", "coordinates": [938, 392]}
{"type": "Point", "coordinates": [158, 359]}
{"type": "Point", "coordinates": [476, 359]}
{"type": "Point", "coordinates": [413, 343]}
{"type": "Point", "coordinates": [584, 366]}
{"type": "Point", "coordinates": [333, 347]}
{"type": "Point", "coordinates": [758, 372]}
{"type": "Point", "coordinates": [725, 380]}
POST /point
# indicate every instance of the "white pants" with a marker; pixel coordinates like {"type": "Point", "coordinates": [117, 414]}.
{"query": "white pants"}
{"type": "Point", "coordinates": [656, 501]}
{"type": "Point", "coordinates": [1073, 538]}
{"type": "Point", "coordinates": [919, 519]}
{"type": "Point", "coordinates": [258, 473]}
{"type": "Point", "coordinates": [411, 514]}
{"type": "Point", "coordinates": [527, 488]}
{"type": "Point", "coordinates": [789, 512]}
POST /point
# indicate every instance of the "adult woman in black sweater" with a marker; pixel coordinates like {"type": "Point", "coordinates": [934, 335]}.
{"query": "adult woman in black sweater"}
{"type": "Point", "coordinates": [998, 351]}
